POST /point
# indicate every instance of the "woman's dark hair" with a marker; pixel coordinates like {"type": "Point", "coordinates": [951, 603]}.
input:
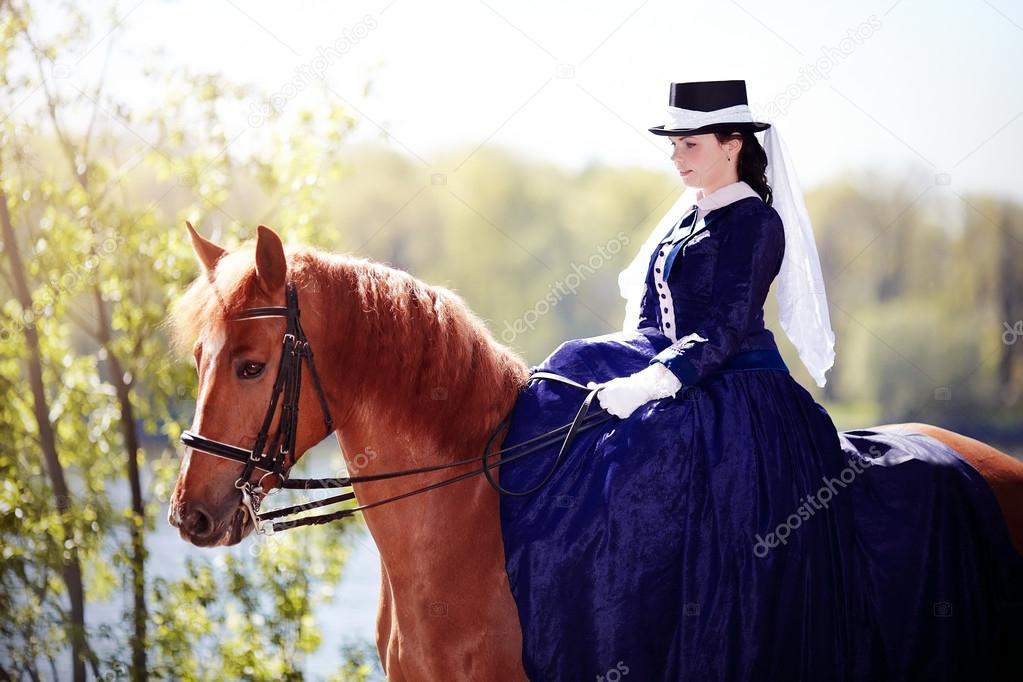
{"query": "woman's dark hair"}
{"type": "Point", "coordinates": [752, 166]}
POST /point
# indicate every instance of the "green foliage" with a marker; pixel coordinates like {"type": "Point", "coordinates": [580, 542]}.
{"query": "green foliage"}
{"type": "Point", "coordinates": [104, 255]}
{"type": "Point", "coordinates": [247, 615]}
{"type": "Point", "coordinates": [923, 287]}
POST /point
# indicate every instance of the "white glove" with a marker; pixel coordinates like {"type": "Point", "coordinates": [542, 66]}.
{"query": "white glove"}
{"type": "Point", "coordinates": [621, 396]}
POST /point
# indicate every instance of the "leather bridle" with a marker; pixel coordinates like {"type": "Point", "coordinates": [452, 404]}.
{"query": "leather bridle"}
{"type": "Point", "coordinates": [280, 449]}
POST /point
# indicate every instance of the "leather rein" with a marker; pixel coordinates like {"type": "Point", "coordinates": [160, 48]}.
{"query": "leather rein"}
{"type": "Point", "coordinates": [279, 455]}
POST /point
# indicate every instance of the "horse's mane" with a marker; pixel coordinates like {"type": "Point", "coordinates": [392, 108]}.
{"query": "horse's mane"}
{"type": "Point", "coordinates": [417, 352]}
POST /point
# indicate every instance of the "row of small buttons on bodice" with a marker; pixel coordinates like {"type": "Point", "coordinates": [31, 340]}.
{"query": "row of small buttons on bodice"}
{"type": "Point", "coordinates": [663, 291]}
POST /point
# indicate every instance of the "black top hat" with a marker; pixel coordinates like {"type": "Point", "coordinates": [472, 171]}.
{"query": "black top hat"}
{"type": "Point", "coordinates": [710, 96]}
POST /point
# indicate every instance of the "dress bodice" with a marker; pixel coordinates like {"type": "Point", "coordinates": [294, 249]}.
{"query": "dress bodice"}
{"type": "Point", "coordinates": [707, 282]}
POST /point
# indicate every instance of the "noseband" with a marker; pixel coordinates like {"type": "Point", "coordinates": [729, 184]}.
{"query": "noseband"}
{"type": "Point", "coordinates": [280, 453]}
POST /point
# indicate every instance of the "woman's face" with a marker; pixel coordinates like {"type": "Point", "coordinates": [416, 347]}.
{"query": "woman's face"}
{"type": "Point", "coordinates": [703, 162]}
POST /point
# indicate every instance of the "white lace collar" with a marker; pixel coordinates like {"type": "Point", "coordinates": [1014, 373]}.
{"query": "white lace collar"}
{"type": "Point", "coordinates": [724, 195]}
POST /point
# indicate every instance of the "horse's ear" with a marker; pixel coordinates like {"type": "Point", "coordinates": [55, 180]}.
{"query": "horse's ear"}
{"type": "Point", "coordinates": [207, 252]}
{"type": "Point", "coordinates": [271, 266]}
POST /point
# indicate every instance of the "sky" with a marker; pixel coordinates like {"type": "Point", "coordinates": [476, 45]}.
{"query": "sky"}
{"type": "Point", "coordinates": [894, 86]}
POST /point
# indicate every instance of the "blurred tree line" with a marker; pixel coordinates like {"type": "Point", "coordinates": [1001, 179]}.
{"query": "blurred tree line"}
{"type": "Point", "coordinates": [924, 283]}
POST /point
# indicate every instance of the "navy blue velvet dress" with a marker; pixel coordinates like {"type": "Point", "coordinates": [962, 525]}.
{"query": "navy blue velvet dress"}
{"type": "Point", "coordinates": [730, 532]}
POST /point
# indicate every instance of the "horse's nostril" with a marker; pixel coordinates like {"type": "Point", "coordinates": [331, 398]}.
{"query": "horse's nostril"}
{"type": "Point", "coordinates": [197, 522]}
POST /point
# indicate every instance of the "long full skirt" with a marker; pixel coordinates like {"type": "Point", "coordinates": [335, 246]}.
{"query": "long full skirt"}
{"type": "Point", "coordinates": [731, 533]}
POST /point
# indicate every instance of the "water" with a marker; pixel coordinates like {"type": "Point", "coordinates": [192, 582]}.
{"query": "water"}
{"type": "Point", "coordinates": [350, 617]}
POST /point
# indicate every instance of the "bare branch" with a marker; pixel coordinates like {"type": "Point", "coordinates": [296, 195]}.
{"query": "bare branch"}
{"type": "Point", "coordinates": [96, 98]}
{"type": "Point", "coordinates": [81, 322]}
{"type": "Point", "coordinates": [51, 103]}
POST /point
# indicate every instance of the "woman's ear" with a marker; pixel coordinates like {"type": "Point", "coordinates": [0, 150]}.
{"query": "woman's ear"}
{"type": "Point", "coordinates": [734, 146]}
{"type": "Point", "coordinates": [271, 265]}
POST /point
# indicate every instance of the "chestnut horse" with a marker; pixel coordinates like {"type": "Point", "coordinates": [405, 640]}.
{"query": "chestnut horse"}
{"type": "Point", "coordinates": [411, 373]}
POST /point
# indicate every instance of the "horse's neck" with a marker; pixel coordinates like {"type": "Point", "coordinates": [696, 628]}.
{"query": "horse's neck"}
{"type": "Point", "coordinates": [441, 384]}
{"type": "Point", "coordinates": [428, 537]}
{"type": "Point", "coordinates": [409, 400]}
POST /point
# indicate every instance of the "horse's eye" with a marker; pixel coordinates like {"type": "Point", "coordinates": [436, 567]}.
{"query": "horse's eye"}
{"type": "Point", "coordinates": [250, 369]}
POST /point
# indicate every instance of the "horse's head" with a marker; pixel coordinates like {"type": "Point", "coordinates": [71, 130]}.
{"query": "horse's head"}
{"type": "Point", "coordinates": [237, 361]}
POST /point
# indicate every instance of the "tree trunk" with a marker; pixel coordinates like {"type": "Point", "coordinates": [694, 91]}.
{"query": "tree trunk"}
{"type": "Point", "coordinates": [131, 446]}
{"type": "Point", "coordinates": [131, 440]}
{"type": "Point", "coordinates": [71, 569]}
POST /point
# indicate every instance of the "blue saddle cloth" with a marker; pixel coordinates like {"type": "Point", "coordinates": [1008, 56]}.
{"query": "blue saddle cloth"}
{"type": "Point", "coordinates": [730, 533]}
